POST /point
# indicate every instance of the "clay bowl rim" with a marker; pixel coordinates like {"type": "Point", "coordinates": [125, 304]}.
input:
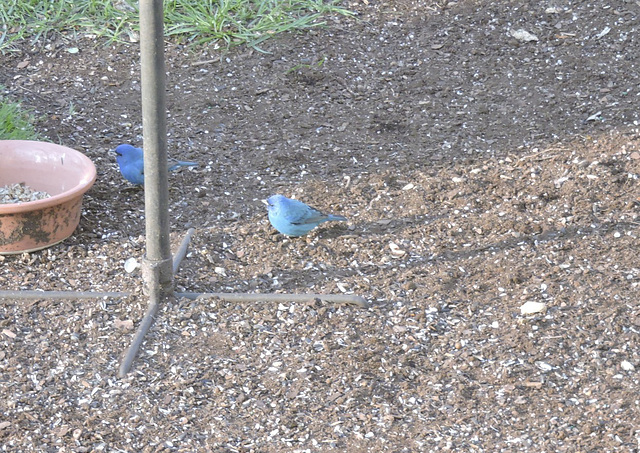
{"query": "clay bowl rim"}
{"type": "Point", "coordinates": [78, 190]}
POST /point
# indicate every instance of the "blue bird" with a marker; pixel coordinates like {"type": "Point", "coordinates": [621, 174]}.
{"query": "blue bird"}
{"type": "Point", "coordinates": [131, 163]}
{"type": "Point", "coordinates": [294, 218]}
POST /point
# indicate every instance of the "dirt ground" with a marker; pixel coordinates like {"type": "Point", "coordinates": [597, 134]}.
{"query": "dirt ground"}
{"type": "Point", "coordinates": [479, 171]}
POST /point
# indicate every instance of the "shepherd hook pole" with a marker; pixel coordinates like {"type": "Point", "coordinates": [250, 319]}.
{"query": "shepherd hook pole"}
{"type": "Point", "coordinates": [157, 266]}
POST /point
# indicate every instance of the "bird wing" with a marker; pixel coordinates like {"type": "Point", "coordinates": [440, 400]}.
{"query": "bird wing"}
{"type": "Point", "coordinates": [309, 216]}
{"type": "Point", "coordinates": [298, 213]}
{"type": "Point", "coordinates": [133, 172]}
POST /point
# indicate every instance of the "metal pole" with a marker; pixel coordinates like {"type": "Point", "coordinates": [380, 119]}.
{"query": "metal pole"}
{"type": "Point", "coordinates": [350, 299]}
{"type": "Point", "coordinates": [157, 266]}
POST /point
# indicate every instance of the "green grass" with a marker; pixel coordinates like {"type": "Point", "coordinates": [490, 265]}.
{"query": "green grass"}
{"type": "Point", "coordinates": [15, 122]}
{"type": "Point", "coordinates": [198, 21]}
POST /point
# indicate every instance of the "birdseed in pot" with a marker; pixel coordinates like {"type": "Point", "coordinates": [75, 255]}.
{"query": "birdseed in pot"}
{"type": "Point", "coordinates": [20, 193]}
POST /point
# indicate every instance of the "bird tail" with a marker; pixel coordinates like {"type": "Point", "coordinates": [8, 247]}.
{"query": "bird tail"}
{"type": "Point", "coordinates": [182, 163]}
{"type": "Point", "coordinates": [339, 218]}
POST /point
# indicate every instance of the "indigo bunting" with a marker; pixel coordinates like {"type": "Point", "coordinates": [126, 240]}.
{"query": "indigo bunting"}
{"type": "Point", "coordinates": [131, 163]}
{"type": "Point", "coordinates": [294, 218]}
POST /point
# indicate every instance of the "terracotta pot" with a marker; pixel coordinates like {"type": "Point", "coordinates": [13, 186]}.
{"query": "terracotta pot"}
{"type": "Point", "coordinates": [63, 173]}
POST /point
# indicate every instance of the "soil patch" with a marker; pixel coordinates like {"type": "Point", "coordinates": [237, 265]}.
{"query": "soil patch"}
{"type": "Point", "coordinates": [478, 172]}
